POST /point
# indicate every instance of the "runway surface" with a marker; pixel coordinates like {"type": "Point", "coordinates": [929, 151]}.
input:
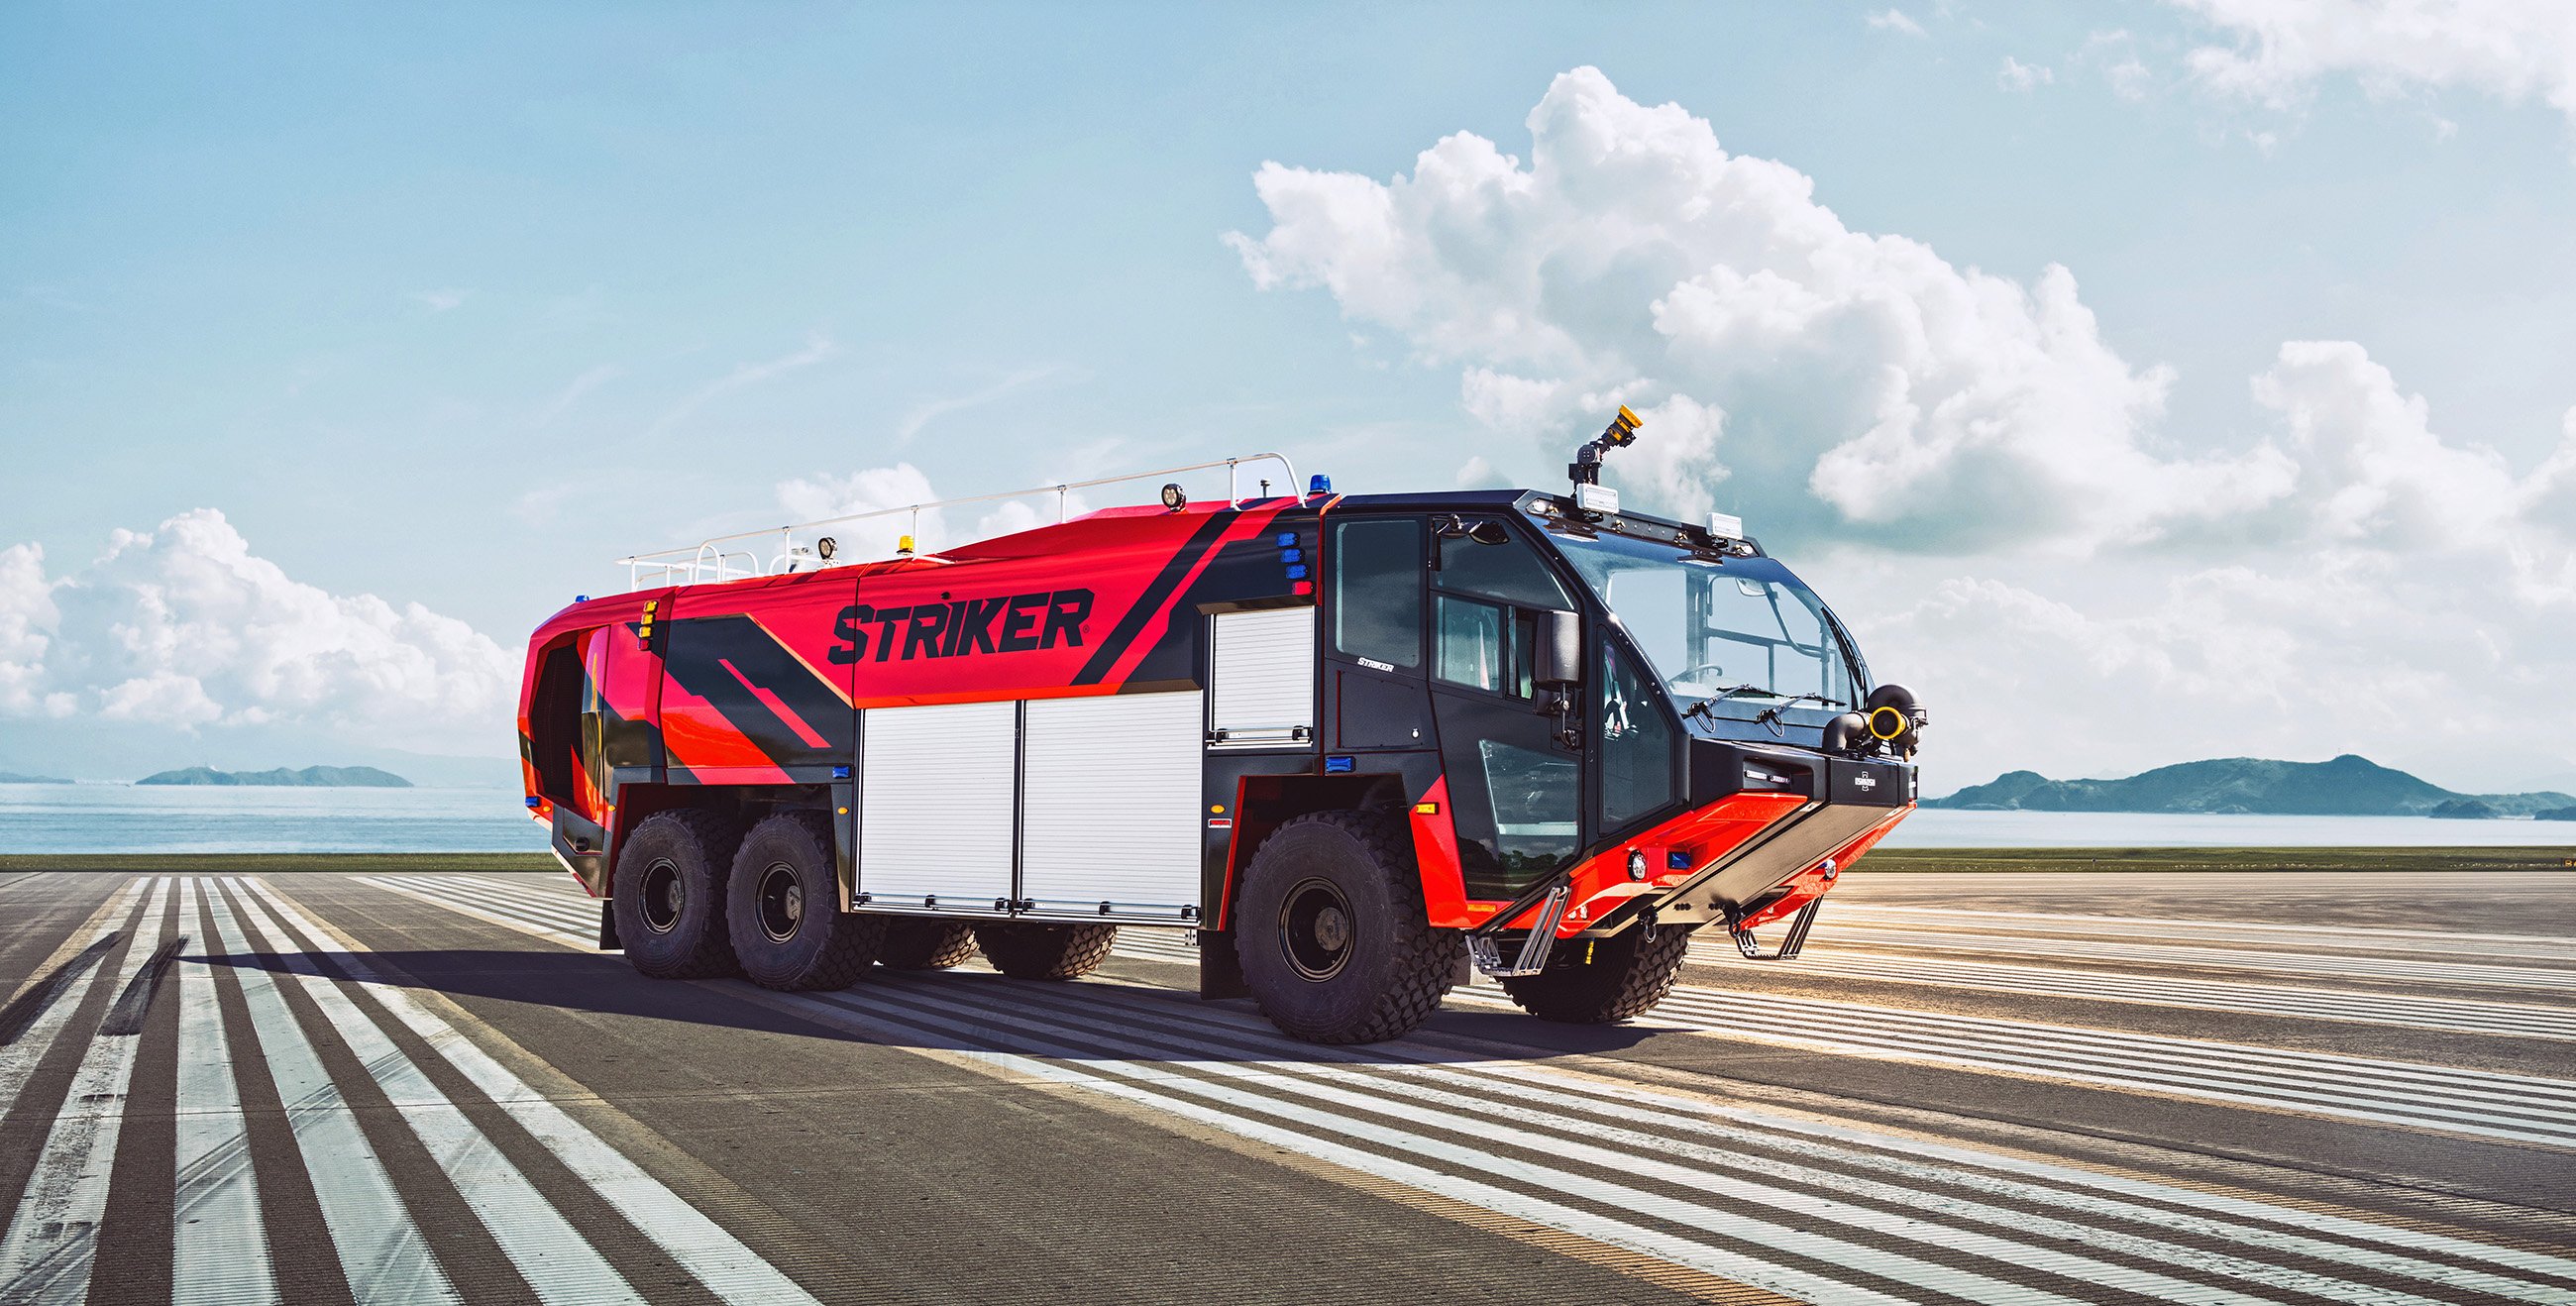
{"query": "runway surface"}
{"type": "Point", "coordinates": [396, 1087]}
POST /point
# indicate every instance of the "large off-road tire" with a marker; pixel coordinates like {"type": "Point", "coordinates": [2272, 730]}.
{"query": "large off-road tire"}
{"type": "Point", "coordinates": [914, 943]}
{"type": "Point", "coordinates": [1332, 933]}
{"type": "Point", "coordinates": [670, 895]}
{"type": "Point", "coordinates": [1045, 952]}
{"type": "Point", "coordinates": [1594, 982]}
{"type": "Point", "coordinates": [784, 907]}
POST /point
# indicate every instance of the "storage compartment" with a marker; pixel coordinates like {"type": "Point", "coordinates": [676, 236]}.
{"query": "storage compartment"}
{"type": "Point", "coordinates": [1111, 810]}
{"type": "Point", "coordinates": [1261, 677]}
{"type": "Point", "coordinates": [936, 789]}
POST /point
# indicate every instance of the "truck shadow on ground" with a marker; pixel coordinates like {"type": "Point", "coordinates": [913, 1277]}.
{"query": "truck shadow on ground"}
{"type": "Point", "coordinates": [967, 1011]}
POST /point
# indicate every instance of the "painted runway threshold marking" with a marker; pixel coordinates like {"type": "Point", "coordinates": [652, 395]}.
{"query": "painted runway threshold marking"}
{"type": "Point", "coordinates": [218, 1230]}
{"type": "Point", "coordinates": [1811, 1207]}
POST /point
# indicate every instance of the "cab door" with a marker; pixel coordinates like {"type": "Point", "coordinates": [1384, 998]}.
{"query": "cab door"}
{"type": "Point", "coordinates": [1515, 786]}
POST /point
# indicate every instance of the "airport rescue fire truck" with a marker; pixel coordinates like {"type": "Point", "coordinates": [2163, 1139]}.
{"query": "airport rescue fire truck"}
{"type": "Point", "coordinates": [1363, 746]}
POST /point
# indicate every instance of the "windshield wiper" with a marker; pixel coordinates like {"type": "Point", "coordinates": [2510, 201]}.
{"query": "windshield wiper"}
{"type": "Point", "coordinates": [1701, 708]}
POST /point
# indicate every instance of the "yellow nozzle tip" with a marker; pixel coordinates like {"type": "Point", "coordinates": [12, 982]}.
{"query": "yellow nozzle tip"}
{"type": "Point", "coordinates": [1887, 723]}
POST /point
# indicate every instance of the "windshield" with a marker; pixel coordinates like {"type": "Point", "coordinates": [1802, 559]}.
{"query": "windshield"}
{"type": "Point", "coordinates": [1744, 630]}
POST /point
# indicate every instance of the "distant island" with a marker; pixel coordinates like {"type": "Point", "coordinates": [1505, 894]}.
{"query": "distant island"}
{"type": "Point", "coordinates": [2346, 786]}
{"type": "Point", "coordinates": [327, 777]}
{"type": "Point", "coordinates": [13, 778]}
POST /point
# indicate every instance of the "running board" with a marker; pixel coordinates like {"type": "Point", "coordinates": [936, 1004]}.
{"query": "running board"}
{"type": "Point", "coordinates": [1488, 955]}
{"type": "Point", "coordinates": [1798, 925]}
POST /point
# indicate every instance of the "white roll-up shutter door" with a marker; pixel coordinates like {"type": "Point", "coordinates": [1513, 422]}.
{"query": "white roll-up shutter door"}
{"type": "Point", "coordinates": [1261, 677]}
{"type": "Point", "coordinates": [936, 787]}
{"type": "Point", "coordinates": [1111, 808]}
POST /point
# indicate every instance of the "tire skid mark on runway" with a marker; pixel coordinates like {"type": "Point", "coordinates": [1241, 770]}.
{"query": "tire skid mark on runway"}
{"type": "Point", "coordinates": [220, 1242]}
{"type": "Point", "coordinates": [2509, 1020]}
{"type": "Point", "coordinates": [547, 1252]}
{"type": "Point", "coordinates": [698, 1244]}
{"type": "Point", "coordinates": [2315, 965]}
{"type": "Point", "coordinates": [2357, 938]}
{"type": "Point", "coordinates": [20, 1055]}
{"type": "Point", "coordinates": [1820, 1172]}
{"type": "Point", "coordinates": [53, 1235]}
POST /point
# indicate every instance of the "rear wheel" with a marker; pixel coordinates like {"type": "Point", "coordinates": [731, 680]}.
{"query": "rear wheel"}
{"type": "Point", "coordinates": [1045, 952]}
{"type": "Point", "coordinates": [784, 909]}
{"type": "Point", "coordinates": [912, 943]}
{"type": "Point", "coordinates": [1332, 933]}
{"type": "Point", "coordinates": [670, 895]}
{"type": "Point", "coordinates": [1596, 981]}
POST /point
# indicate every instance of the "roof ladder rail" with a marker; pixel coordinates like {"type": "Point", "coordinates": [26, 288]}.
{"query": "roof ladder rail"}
{"type": "Point", "coordinates": [711, 560]}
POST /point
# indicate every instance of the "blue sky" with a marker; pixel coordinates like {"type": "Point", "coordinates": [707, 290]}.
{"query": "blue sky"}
{"type": "Point", "coordinates": [447, 307]}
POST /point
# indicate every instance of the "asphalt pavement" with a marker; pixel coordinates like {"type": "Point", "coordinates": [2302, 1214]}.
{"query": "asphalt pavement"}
{"type": "Point", "coordinates": [400, 1087]}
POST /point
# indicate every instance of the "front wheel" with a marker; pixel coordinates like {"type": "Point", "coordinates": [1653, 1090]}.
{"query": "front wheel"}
{"type": "Point", "coordinates": [784, 908]}
{"type": "Point", "coordinates": [1597, 981]}
{"type": "Point", "coordinates": [1332, 934]}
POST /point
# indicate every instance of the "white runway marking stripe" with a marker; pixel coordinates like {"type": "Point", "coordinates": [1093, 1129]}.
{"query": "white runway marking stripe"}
{"type": "Point", "coordinates": [1580, 1169]}
{"type": "Point", "coordinates": [553, 1257]}
{"type": "Point", "coordinates": [2361, 938]}
{"type": "Point", "coordinates": [219, 1250]}
{"type": "Point", "coordinates": [1720, 1168]}
{"type": "Point", "coordinates": [2518, 1108]}
{"type": "Point", "coordinates": [479, 906]}
{"type": "Point", "coordinates": [18, 1057]}
{"type": "Point", "coordinates": [1716, 949]}
{"type": "Point", "coordinates": [1985, 1222]}
{"type": "Point", "coordinates": [2512, 1020]}
{"type": "Point", "coordinates": [53, 1238]}
{"type": "Point", "coordinates": [380, 1249]}
{"type": "Point", "coordinates": [701, 1246]}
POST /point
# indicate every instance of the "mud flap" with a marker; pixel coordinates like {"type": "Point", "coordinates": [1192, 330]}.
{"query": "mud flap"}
{"type": "Point", "coordinates": [1220, 970]}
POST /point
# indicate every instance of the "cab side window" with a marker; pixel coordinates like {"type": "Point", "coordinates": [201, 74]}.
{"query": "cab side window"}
{"type": "Point", "coordinates": [1377, 591]}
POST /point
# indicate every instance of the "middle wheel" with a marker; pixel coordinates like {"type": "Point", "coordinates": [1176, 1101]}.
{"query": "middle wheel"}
{"type": "Point", "coordinates": [783, 909]}
{"type": "Point", "coordinates": [918, 943]}
{"type": "Point", "coordinates": [1050, 952]}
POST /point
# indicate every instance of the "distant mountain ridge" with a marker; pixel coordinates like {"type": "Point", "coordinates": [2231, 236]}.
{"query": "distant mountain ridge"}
{"type": "Point", "coordinates": [13, 778]}
{"type": "Point", "coordinates": [2345, 786]}
{"type": "Point", "coordinates": [327, 777]}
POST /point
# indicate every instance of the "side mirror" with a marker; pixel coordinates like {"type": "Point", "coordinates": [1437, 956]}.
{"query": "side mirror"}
{"type": "Point", "coordinates": [1559, 659]}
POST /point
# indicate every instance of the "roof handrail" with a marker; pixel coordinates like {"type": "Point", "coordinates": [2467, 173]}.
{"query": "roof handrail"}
{"type": "Point", "coordinates": [665, 564]}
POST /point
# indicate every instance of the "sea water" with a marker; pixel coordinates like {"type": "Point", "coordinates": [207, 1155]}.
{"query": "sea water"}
{"type": "Point", "coordinates": [120, 818]}
{"type": "Point", "coordinates": [117, 818]}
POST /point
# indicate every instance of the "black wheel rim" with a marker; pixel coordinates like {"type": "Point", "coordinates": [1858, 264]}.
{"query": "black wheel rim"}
{"type": "Point", "coordinates": [782, 902]}
{"type": "Point", "coordinates": [665, 892]}
{"type": "Point", "coordinates": [1315, 929]}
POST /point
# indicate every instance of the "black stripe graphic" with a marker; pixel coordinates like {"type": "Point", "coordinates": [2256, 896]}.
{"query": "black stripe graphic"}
{"type": "Point", "coordinates": [1152, 601]}
{"type": "Point", "coordinates": [699, 648]}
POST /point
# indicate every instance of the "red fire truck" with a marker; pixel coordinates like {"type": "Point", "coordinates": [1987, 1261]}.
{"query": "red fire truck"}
{"type": "Point", "coordinates": [1362, 745]}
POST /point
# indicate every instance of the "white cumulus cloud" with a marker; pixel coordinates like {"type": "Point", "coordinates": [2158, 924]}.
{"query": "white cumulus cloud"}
{"type": "Point", "coordinates": [183, 626]}
{"type": "Point", "coordinates": [1976, 477]}
{"type": "Point", "coordinates": [1834, 379]}
{"type": "Point", "coordinates": [2514, 50]}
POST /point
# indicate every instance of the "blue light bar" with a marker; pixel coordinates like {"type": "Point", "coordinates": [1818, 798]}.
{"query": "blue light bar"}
{"type": "Point", "coordinates": [1340, 765]}
{"type": "Point", "coordinates": [1292, 555]}
{"type": "Point", "coordinates": [534, 801]}
{"type": "Point", "coordinates": [1297, 572]}
{"type": "Point", "coordinates": [1319, 484]}
{"type": "Point", "coordinates": [1287, 539]}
